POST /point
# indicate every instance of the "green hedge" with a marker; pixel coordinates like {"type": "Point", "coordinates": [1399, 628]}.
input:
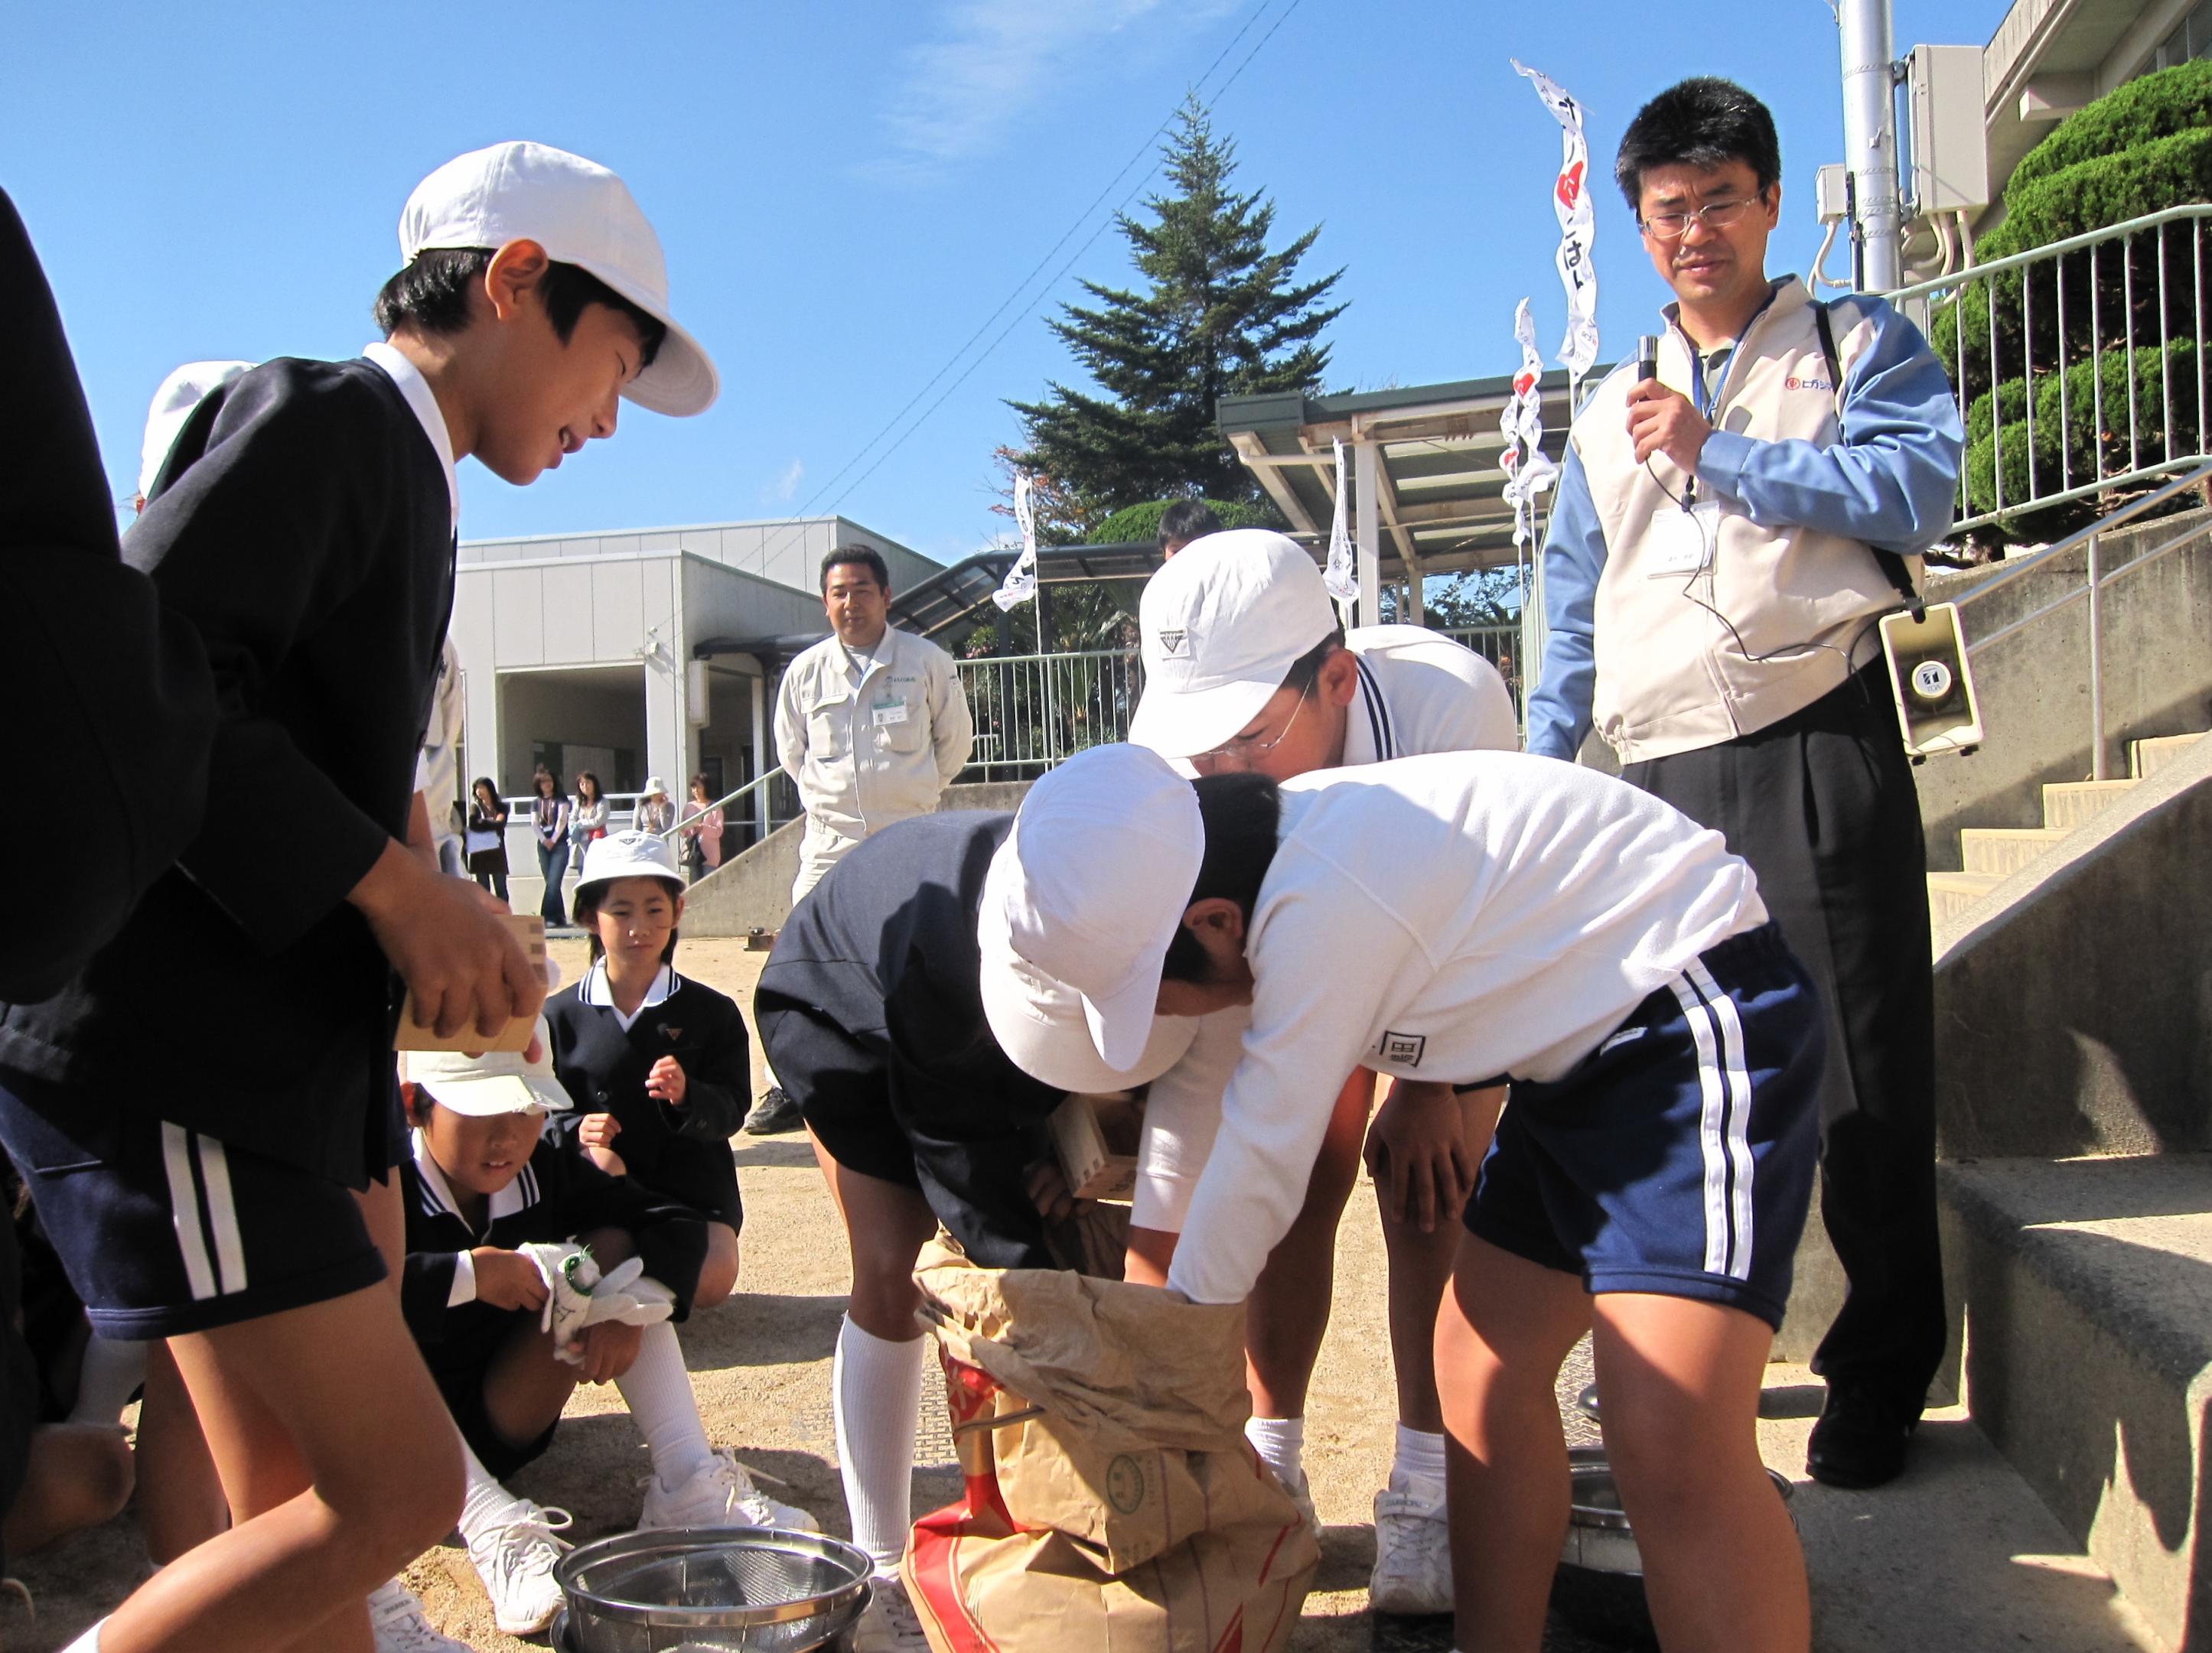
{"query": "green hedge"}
{"type": "Point", "coordinates": [1142, 522]}
{"type": "Point", "coordinates": [2108, 188]}
{"type": "Point", "coordinates": [2174, 100]}
{"type": "Point", "coordinates": [2076, 448]}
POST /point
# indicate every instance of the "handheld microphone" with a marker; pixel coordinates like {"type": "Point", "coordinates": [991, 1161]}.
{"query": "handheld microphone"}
{"type": "Point", "coordinates": [1647, 358]}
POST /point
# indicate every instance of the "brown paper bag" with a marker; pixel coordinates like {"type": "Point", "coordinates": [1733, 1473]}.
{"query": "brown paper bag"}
{"type": "Point", "coordinates": [1112, 1501]}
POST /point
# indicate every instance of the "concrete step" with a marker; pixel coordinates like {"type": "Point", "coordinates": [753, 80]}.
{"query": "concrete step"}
{"type": "Point", "coordinates": [1957, 1553]}
{"type": "Point", "coordinates": [2004, 850]}
{"type": "Point", "coordinates": [1950, 893]}
{"type": "Point", "coordinates": [2147, 757]}
{"type": "Point", "coordinates": [2068, 804]}
{"type": "Point", "coordinates": [2087, 1286]}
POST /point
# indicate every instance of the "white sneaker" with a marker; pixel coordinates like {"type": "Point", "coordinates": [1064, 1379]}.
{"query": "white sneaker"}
{"type": "Point", "coordinates": [1412, 1549]}
{"type": "Point", "coordinates": [515, 1560]}
{"type": "Point", "coordinates": [890, 1624]}
{"type": "Point", "coordinates": [720, 1495]}
{"type": "Point", "coordinates": [398, 1620]}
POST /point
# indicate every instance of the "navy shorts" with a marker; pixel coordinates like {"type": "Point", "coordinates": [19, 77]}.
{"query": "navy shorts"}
{"type": "Point", "coordinates": [1678, 1157]}
{"type": "Point", "coordinates": [164, 1231]}
{"type": "Point", "coordinates": [464, 1389]}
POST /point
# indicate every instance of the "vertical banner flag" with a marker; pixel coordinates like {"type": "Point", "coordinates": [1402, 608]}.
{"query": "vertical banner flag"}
{"type": "Point", "coordinates": [1577, 227]}
{"type": "Point", "coordinates": [1342, 574]}
{"type": "Point", "coordinates": [1021, 582]}
{"type": "Point", "coordinates": [1529, 472]}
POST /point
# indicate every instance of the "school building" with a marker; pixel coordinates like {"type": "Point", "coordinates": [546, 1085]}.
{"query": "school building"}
{"type": "Point", "coordinates": [589, 650]}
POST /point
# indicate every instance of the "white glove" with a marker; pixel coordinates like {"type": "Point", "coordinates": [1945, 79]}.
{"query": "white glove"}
{"type": "Point", "coordinates": [578, 1295]}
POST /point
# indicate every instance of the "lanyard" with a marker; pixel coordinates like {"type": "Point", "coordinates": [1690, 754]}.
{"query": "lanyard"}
{"type": "Point", "coordinates": [1709, 407]}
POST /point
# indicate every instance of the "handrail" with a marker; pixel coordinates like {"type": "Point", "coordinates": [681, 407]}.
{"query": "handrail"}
{"type": "Point", "coordinates": [2013, 567]}
{"type": "Point", "coordinates": [2072, 244]}
{"type": "Point", "coordinates": [721, 803]}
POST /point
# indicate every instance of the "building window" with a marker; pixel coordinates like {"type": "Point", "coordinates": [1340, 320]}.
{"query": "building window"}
{"type": "Point", "coordinates": [2191, 37]}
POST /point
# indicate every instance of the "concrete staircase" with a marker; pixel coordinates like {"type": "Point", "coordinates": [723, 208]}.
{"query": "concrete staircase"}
{"type": "Point", "coordinates": [1992, 854]}
{"type": "Point", "coordinates": [2074, 1017]}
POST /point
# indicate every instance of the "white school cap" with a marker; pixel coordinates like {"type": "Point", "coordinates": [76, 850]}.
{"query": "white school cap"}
{"type": "Point", "coordinates": [1087, 891]}
{"type": "Point", "coordinates": [181, 392]}
{"type": "Point", "coordinates": [627, 855]}
{"type": "Point", "coordinates": [498, 1081]}
{"type": "Point", "coordinates": [582, 214]}
{"type": "Point", "coordinates": [1221, 625]}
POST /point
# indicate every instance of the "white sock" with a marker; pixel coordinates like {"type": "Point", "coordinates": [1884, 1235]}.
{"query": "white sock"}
{"type": "Point", "coordinates": [112, 1368]}
{"type": "Point", "coordinates": [876, 1385]}
{"type": "Point", "coordinates": [487, 1503]}
{"type": "Point", "coordinates": [1278, 1441]}
{"type": "Point", "coordinates": [658, 1391]}
{"type": "Point", "coordinates": [88, 1643]}
{"type": "Point", "coordinates": [1418, 1453]}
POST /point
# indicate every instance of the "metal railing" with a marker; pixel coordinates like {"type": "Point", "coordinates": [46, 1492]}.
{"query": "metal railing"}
{"type": "Point", "coordinates": [2079, 366]}
{"type": "Point", "coordinates": [758, 815]}
{"type": "Point", "coordinates": [1033, 710]}
{"type": "Point", "coordinates": [2096, 580]}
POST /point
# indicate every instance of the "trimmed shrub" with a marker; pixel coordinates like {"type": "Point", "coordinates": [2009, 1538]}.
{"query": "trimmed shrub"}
{"type": "Point", "coordinates": [2176, 99]}
{"type": "Point", "coordinates": [1142, 522]}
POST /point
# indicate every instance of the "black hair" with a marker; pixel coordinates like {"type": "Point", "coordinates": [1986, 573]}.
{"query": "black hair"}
{"type": "Point", "coordinates": [1307, 667]}
{"type": "Point", "coordinates": [1703, 121]}
{"type": "Point", "coordinates": [486, 782]}
{"type": "Point", "coordinates": [1187, 520]}
{"type": "Point", "coordinates": [542, 772]}
{"type": "Point", "coordinates": [433, 293]}
{"type": "Point", "coordinates": [842, 555]}
{"type": "Point", "coordinates": [584, 907]}
{"type": "Point", "coordinates": [1241, 813]}
{"type": "Point", "coordinates": [599, 793]}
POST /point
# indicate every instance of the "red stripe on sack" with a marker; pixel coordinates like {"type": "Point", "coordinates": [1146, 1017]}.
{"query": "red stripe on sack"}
{"type": "Point", "coordinates": [1232, 1639]}
{"type": "Point", "coordinates": [934, 1562]}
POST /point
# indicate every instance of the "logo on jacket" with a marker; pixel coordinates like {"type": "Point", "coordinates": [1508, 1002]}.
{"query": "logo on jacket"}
{"type": "Point", "coordinates": [1405, 1049]}
{"type": "Point", "coordinates": [1172, 644]}
{"type": "Point", "coordinates": [671, 1034]}
{"type": "Point", "coordinates": [1794, 383]}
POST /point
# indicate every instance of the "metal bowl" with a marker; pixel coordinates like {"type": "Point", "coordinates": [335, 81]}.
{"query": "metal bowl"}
{"type": "Point", "coordinates": [1599, 1585]}
{"type": "Point", "coordinates": [718, 1589]}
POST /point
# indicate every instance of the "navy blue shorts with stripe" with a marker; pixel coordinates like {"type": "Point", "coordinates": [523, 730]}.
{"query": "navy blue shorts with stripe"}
{"type": "Point", "coordinates": [1678, 1157]}
{"type": "Point", "coordinates": [164, 1231]}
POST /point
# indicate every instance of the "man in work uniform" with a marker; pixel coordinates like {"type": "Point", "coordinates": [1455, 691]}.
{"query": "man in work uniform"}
{"type": "Point", "coordinates": [871, 726]}
{"type": "Point", "coordinates": [1725, 538]}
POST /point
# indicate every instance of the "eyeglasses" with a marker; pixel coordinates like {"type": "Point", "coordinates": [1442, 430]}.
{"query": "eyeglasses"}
{"type": "Point", "coordinates": [1244, 750]}
{"type": "Point", "coordinates": [1714, 214]}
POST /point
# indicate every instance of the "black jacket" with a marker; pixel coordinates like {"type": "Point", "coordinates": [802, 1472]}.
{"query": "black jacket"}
{"type": "Point", "coordinates": [107, 689]}
{"type": "Point", "coordinates": [681, 1151]}
{"type": "Point", "coordinates": [559, 1195]}
{"type": "Point", "coordinates": [303, 526]}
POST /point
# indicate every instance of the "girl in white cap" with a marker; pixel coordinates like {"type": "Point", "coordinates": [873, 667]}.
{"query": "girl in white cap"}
{"type": "Point", "coordinates": [658, 1063]}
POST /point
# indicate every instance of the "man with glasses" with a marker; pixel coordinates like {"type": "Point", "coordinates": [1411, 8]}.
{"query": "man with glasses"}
{"type": "Point", "coordinates": [1724, 537]}
{"type": "Point", "coordinates": [1247, 669]}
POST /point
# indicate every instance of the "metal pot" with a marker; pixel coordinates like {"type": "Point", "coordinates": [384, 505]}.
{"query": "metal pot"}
{"type": "Point", "coordinates": [726, 1590]}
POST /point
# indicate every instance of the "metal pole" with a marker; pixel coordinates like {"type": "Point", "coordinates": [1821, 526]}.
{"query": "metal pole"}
{"type": "Point", "coordinates": [2096, 666]}
{"type": "Point", "coordinates": [1870, 137]}
{"type": "Point", "coordinates": [1367, 529]}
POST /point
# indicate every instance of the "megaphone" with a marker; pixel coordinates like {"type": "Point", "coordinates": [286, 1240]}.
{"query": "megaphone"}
{"type": "Point", "coordinates": [1932, 682]}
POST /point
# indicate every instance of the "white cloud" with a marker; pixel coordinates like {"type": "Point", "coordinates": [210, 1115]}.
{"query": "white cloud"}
{"type": "Point", "coordinates": [992, 60]}
{"type": "Point", "coordinates": [785, 488]}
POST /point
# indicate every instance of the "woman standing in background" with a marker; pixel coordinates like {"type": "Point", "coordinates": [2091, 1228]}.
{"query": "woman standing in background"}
{"type": "Point", "coordinates": [549, 818]}
{"type": "Point", "coordinates": [702, 832]}
{"type": "Point", "coordinates": [587, 819]}
{"type": "Point", "coordinates": [487, 840]}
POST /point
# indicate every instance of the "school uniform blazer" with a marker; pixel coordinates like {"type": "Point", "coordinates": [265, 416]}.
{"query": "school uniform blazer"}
{"type": "Point", "coordinates": [108, 689]}
{"type": "Point", "coordinates": [559, 1195]}
{"type": "Point", "coordinates": [681, 1151]}
{"type": "Point", "coordinates": [303, 526]}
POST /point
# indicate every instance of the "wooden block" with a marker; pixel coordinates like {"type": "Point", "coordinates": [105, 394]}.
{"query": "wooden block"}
{"type": "Point", "coordinates": [529, 930]}
{"type": "Point", "coordinates": [1094, 1171]}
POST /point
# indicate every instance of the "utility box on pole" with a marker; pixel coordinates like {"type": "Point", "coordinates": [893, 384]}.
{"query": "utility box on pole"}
{"type": "Point", "coordinates": [1945, 133]}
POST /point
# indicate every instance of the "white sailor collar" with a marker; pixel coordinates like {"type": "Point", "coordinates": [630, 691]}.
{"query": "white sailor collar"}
{"type": "Point", "coordinates": [416, 389]}
{"type": "Point", "coordinates": [1370, 736]}
{"type": "Point", "coordinates": [596, 993]}
{"type": "Point", "coordinates": [437, 1197]}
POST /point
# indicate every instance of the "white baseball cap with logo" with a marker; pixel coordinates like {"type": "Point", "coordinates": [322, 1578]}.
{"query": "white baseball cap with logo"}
{"type": "Point", "coordinates": [1220, 626]}
{"type": "Point", "coordinates": [582, 214]}
{"type": "Point", "coordinates": [498, 1081]}
{"type": "Point", "coordinates": [627, 855]}
{"type": "Point", "coordinates": [1087, 891]}
{"type": "Point", "coordinates": [181, 392]}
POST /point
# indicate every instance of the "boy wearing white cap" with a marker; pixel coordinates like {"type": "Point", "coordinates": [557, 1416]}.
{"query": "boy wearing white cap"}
{"type": "Point", "coordinates": [870, 1007]}
{"type": "Point", "coordinates": [496, 1213]}
{"type": "Point", "coordinates": [1503, 916]}
{"type": "Point", "coordinates": [303, 525]}
{"type": "Point", "coordinates": [1248, 669]}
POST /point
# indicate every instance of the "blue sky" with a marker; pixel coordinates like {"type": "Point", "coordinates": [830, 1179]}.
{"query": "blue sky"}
{"type": "Point", "coordinates": [848, 191]}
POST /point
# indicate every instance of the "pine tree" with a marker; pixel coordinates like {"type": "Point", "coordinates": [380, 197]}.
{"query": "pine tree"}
{"type": "Point", "coordinates": [1224, 316]}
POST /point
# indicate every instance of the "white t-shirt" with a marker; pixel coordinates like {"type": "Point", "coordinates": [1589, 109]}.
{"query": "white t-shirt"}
{"type": "Point", "coordinates": [1454, 918]}
{"type": "Point", "coordinates": [1421, 692]}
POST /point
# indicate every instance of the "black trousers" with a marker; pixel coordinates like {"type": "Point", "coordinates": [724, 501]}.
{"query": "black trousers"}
{"type": "Point", "coordinates": [1823, 806]}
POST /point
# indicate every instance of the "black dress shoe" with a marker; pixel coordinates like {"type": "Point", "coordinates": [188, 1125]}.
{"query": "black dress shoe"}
{"type": "Point", "coordinates": [774, 1113]}
{"type": "Point", "coordinates": [1861, 1440]}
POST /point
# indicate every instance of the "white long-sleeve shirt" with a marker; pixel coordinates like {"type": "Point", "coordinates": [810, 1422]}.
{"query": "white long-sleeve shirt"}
{"type": "Point", "coordinates": [1454, 917]}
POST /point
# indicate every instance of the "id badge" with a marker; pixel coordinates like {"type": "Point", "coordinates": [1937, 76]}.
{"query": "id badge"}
{"type": "Point", "coordinates": [889, 713]}
{"type": "Point", "coordinates": [1682, 541]}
